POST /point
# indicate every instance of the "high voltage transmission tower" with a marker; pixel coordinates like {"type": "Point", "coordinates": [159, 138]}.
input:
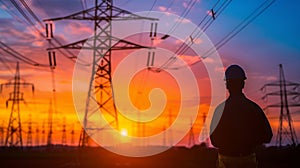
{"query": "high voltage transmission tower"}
{"type": "Point", "coordinates": [37, 136]}
{"type": "Point", "coordinates": [286, 132]}
{"type": "Point", "coordinates": [2, 134]}
{"type": "Point", "coordinates": [64, 132]}
{"type": "Point", "coordinates": [72, 135]}
{"type": "Point", "coordinates": [50, 124]}
{"type": "Point", "coordinates": [29, 132]}
{"type": "Point", "coordinates": [43, 133]}
{"type": "Point", "coordinates": [164, 136]}
{"type": "Point", "coordinates": [191, 135]}
{"type": "Point", "coordinates": [14, 129]}
{"type": "Point", "coordinates": [205, 132]}
{"type": "Point", "coordinates": [102, 15]}
{"type": "Point", "coordinates": [170, 121]}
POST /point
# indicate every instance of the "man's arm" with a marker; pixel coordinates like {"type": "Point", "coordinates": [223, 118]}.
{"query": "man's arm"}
{"type": "Point", "coordinates": [266, 130]}
{"type": "Point", "coordinates": [215, 128]}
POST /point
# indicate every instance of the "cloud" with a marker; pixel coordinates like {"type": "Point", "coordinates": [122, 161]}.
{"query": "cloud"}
{"type": "Point", "coordinates": [220, 69]}
{"type": "Point", "coordinates": [182, 20]}
{"type": "Point", "coordinates": [263, 77]}
{"type": "Point", "coordinates": [162, 8]}
{"type": "Point", "coordinates": [28, 42]}
{"type": "Point", "coordinates": [208, 60]}
{"type": "Point", "coordinates": [16, 34]}
{"type": "Point", "coordinates": [209, 12]}
{"type": "Point", "coordinates": [271, 78]}
{"type": "Point", "coordinates": [185, 4]}
{"type": "Point", "coordinates": [197, 41]}
{"type": "Point", "coordinates": [157, 41]}
{"type": "Point", "coordinates": [77, 28]}
{"type": "Point", "coordinates": [178, 41]}
{"type": "Point", "coordinates": [166, 10]}
{"type": "Point", "coordinates": [189, 59]}
{"type": "Point", "coordinates": [55, 8]}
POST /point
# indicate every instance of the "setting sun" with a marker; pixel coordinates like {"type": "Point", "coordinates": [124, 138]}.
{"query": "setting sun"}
{"type": "Point", "coordinates": [124, 132]}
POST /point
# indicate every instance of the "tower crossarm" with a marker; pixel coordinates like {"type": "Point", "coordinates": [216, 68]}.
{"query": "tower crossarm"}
{"type": "Point", "coordinates": [101, 43]}
{"type": "Point", "coordinates": [279, 105]}
{"type": "Point", "coordinates": [89, 14]}
{"type": "Point", "coordinates": [87, 44]}
{"type": "Point", "coordinates": [277, 84]}
{"type": "Point", "coordinates": [277, 93]}
{"type": "Point", "coordinates": [18, 83]}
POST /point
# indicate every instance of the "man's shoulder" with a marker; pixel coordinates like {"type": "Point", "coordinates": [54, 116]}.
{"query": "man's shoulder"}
{"type": "Point", "coordinates": [221, 106]}
{"type": "Point", "coordinates": [250, 101]}
{"type": "Point", "coordinates": [253, 104]}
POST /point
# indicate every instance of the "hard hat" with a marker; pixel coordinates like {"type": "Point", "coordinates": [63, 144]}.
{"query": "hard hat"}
{"type": "Point", "coordinates": [235, 72]}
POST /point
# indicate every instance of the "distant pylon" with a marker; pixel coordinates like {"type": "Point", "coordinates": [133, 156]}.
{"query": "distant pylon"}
{"type": "Point", "coordinates": [64, 132]}
{"type": "Point", "coordinates": [29, 132]}
{"type": "Point", "coordinates": [204, 131]}
{"type": "Point", "coordinates": [170, 116]}
{"type": "Point", "coordinates": [72, 135]}
{"type": "Point", "coordinates": [2, 134]}
{"type": "Point", "coordinates": [144, 134]}
{"type": "Point", "coordinates": [286, 129]}
{"type": "Point", "coordinates": [164, 136]}
{"type": "Point", "coordinates": [50, 125]}
{"type": "Point", "coordinates": [191, 136]}
{"type": "Point", "coordinates": [14, 129]}
{"type": "Point", "coordinates": [37, 136]}
{"type": "Point", "coordinates": [43, 134]}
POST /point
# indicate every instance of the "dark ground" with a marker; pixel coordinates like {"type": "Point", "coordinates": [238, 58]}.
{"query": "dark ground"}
{"type": "Point", "coordinates": [176, 157]}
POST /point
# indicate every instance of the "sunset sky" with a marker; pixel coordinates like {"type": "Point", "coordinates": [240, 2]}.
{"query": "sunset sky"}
{"type": "Point", "coordinates": [268, 41]}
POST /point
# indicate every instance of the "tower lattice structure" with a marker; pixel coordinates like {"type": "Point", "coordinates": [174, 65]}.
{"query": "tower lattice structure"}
{"type": "Point", "coordinates": [29, 132]}
{"type": "Point", "coordinates": [191, 136]}
{"type": "Point", "coordinates": [64, 132]}
{"type": "Point", "coordinates": [102, 15]}
{"type": "Point", "coordinates": [37, 136]}
{"type": "Point", "coordinates": [14, 129]}
{"type": "Point", "coordinates": [2, 134]}
{"type": "Point", "coordinates": [286, 131]}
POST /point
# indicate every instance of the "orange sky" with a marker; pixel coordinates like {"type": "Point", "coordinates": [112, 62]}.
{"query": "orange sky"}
{"type": "Point", "coordinates": [38, 104]}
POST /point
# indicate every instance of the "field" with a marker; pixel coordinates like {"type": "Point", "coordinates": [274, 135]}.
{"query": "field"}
{"type": "Point", "coordinates": [196, 157]}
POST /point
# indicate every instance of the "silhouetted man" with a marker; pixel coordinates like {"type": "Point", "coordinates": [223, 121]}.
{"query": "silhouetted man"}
{"type": "Point", "coordinates": [242, 126]}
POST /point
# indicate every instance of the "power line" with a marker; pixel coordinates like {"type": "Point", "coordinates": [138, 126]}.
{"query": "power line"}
{"type": "Point", "coordinates": [249, 19]}
{"type": "Point", "coordinates": [5, 63]}
{"type": "Point", "coordinates": [19, 56]}
{"type": "Point", "coordinates": [12, 13]}
{"type": "Point", "coordinates": [31, 23]}
{"type": "Point", "coordinates": [42, 34]}
{"type": "Point", "coordinates": [27, 22]}
{"type": "Point", "coordinates": [14, 129]}
{"type": "Point", "coordinates": [256, 13]}
{"type": "Point", "coordinates": [21, 11]}
{"type": "Point", "coordinates": [184, 47]}
{"type": "Point", "coordinates": [173, 29]}
{"type": "Point", "coordinates": [286, 130]}
{"type": "Point", "coordinates": [154, 2]}
{"type": "Point", "coordinates": [102, 14]}
{"type": "Point", "coordinates": [31, 12]}
{"type": "Point", "coordinates": [207, 24]}
{"type": "Point", "coordinates": [183, 15]}
{"type": "Point", "coordinates": [83, 4]}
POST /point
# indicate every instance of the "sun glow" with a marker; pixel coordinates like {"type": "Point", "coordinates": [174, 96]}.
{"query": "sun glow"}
{"type": "Point", "coordinates": [124, 132]}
